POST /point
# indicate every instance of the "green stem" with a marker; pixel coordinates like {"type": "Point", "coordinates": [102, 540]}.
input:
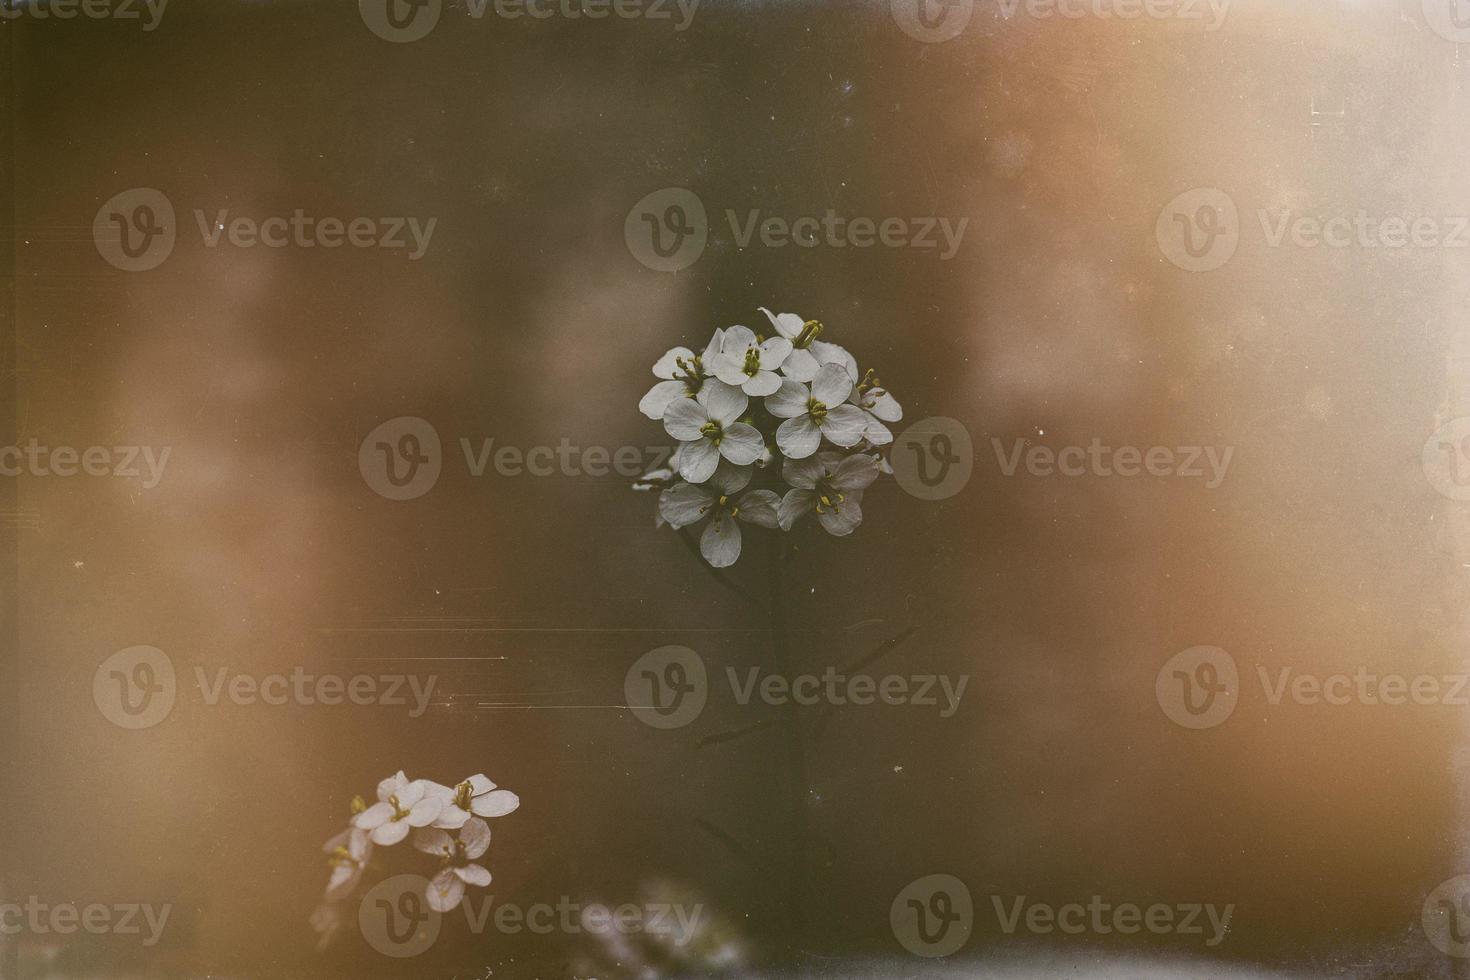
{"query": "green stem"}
{"type": "Point", "coordinates": [796, 780]}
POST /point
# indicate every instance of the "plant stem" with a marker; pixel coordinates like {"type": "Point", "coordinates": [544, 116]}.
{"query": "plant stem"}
{"type": "Point", "coordinates": [796, 783]}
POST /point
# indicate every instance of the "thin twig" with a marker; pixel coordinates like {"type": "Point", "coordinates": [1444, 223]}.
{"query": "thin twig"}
{"type": "Point", "coordinates": [829, 711]}
{"type": "Point", "coordinates": [734, 733]}
{"type": "Point", "coordinates": [735, 847]}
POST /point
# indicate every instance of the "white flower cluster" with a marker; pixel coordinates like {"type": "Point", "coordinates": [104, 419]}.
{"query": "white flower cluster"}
{"type": "Point", "coordinates": [808, 391]}
{"type": "Point", "coordinates": [447, 822]}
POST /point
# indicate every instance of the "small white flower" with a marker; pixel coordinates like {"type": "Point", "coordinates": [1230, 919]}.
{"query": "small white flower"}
{"type": "Point", "coordinates": [820, 411]}
{"type": "Point", "coordinates": [684, 373]}
{"type": "Point", "coordinates": [748, 364]}
{"type": "Point", "coordinates": [348, 854]}
{"type": "Point", "coordinates": [402, 804]}
{"type": "Point", "coordinates": [446, 890]}
{"type": "Point", "coordinates": [808, 353]}
{"type": "Point", "coordinates": [831, 485]}
{"type": "Point", "coordinates": [709, 427]}
{"type": "Point", "coordinates": [879, 407]}
{"type": "Point", "coordinates": [687, 503]}
{"type": "Point", "coordinates": [476, 796]}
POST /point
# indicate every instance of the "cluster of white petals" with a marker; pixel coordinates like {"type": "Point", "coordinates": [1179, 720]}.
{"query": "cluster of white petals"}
{"type": "Point", "coordinates": [750, 401]}
{"type": "Point", "coordinates": [448, 822]}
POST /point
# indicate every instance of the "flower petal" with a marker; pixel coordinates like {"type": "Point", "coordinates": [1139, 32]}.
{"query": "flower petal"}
{"type": "Point", "coordinates": [374, 816]}
{"type": "Point", "coordinates": [712, 348]}
{"type": "Point", "coordinates": [798, 438]}
{"type": "Point", "coordinates": [451, 817]}
{"type": "Point", "coordinates": [759, 507]}
{"type": "Point", "coordinates": [496, 804]}
{"type": "Point", "coordinates": [737, 338]}
{"type": "Point", "coordinates": [788, 325]}
{"type": "Point", "coordinates": [391, 832]}
{"type": "Point", "coordinates": [668, 365]}
{"type": "Point", "coordinates": [698, 460]}
{"type": "Point", "coordinates": [843, 519]}
{"type": "Point", "coordinates": [856, 472]}
{"type": "Point", "coordinates": [877, 433]}
{"type": "Point", "coordinates": [801, 366]}
{"type": "Point", "coordinates": [473, 874]}
{"type": "Point", "coordinates": [845, 425]}
{"type": "Point", "coordinates": [729, 478]}
{"type": "Point", "coordinates": [803, 473]}
{"type": "Point", "coordinates": [424, 812]}
{"type": "Point", "coordinates": [793, 506]}
{"type": "Point", "coordinates": [476, 836]}
{"type": "Point", "coordinates": [789, 401]}
{"type": "Point", "coordinates": [480, 784]}
{"type": "Point", "coordinates": [762, 383]}
{"type": "Point", "coordinates": [432, 841]}
{"type": "Point", "coordinates": [741, 444]}
{"type": "Point", "coordinates": [684, 417]}
{"type": "Point", "coordinates": [883, 405]}
{"type": "Point", "coordinates": [659, 396]}
{"type": "Point", "coordinates": [773, 352]}
{"type": "Point", "coordinates": [391, 785]}
{"type": "Point", "coordinates": [445, 892]}
{"type": "Point", "coordinates": [722, 402]}
{"type": "Point", "coordinates": [684, 503]}
{"type": "Point", "coordinates": [730, 369]}
{"type": "Point", "coordinates": [832, 354]}
{"type": "Point", "coordinates": [832, 385]}
{"type": "Point", "coordinates": [720, 542]}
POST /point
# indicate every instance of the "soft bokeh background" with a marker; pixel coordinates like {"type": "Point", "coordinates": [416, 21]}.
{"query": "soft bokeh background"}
{"type": "Point", "coordinates": [529, 321]}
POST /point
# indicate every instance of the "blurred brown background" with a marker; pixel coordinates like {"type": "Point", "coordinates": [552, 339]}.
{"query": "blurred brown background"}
{"type": "Point", "coordinates": [529, 321]}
